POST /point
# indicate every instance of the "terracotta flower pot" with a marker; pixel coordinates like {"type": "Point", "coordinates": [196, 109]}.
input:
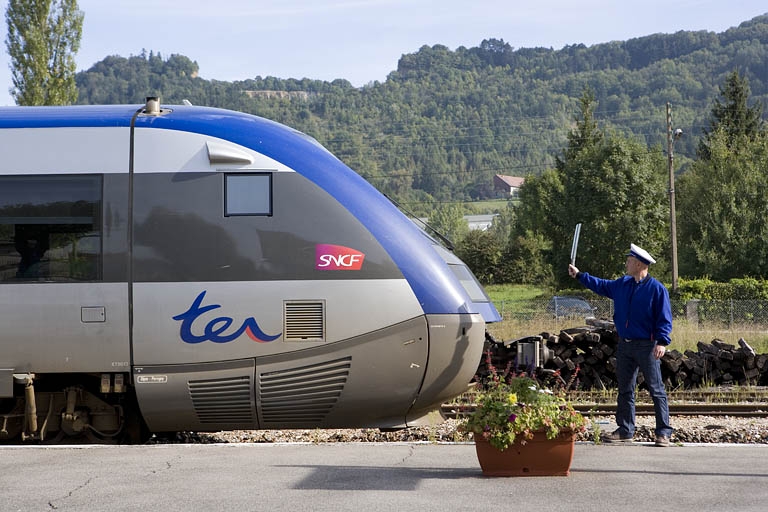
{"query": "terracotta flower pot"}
{"type": "Point", "coordinates": [537, 457]}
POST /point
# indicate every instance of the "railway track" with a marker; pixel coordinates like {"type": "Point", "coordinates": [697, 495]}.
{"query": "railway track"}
{"type": "Point", "coordinates": [740, 410]}
{"type": "Point", "coordinates": [737, 402]}
{"type": "Point", "coordinates": [453, 411]}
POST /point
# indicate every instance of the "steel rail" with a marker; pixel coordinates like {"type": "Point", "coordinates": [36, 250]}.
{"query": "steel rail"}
{"type": "Point", "coordinates": [756, 410]}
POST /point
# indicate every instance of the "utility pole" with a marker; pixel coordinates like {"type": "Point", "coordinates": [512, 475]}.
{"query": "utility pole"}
{"type": "Point", "coordinates": [671, 138]}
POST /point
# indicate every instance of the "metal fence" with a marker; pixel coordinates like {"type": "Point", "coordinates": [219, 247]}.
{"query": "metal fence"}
{"type": "Point", "coordinates": [751, 315]}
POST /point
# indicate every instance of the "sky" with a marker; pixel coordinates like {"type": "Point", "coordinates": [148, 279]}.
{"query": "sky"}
{"type": "Point", "coordinates": [362, 40]}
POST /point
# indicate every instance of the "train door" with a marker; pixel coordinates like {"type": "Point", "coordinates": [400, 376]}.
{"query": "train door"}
{"type": "Point", "coordinates": [63, 297]}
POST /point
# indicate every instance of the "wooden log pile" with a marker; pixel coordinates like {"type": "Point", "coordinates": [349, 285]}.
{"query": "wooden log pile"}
{"type": "Point", "coordinates": [585, 358]}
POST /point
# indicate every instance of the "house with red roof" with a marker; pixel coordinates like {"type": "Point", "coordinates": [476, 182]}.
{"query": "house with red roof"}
{"type": "Point", "coordinates": [508, 186]}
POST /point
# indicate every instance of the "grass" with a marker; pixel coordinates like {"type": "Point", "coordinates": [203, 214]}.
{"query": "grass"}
{"type": "Point", "coordinates": [523, 308]}
{"type": "Point", "coordinates": [512, 293]}
{"type": "Point", "coordinates": [490, 206]}
{"type": "Point", "coordinates": [685, 335]}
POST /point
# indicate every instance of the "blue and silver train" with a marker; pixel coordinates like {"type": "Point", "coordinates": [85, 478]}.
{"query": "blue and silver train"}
{"type": "Point", "coordinates": [167, 268]}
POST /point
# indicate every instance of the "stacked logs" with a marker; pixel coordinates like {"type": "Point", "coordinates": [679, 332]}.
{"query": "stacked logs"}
{"type": "Point", "coordinates": [718, 363]}
{"type": "Point", "coordinates": [585, 358]}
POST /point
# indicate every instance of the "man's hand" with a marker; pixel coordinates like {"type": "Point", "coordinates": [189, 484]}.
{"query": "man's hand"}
{"type": "Point", "coordinates": [572, 271]}
{"type": "Point", "coordinates": [658, 351]}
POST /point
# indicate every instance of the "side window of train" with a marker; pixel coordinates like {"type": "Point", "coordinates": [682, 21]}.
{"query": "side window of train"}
{"type": "Point", "coordinates": [248, 194]}
{"type": "Point", "coordinates": [50, 228]}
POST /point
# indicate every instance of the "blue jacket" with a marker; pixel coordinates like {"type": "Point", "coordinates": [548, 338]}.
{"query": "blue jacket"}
{"type": "Point", "coordinates": [640, 310]}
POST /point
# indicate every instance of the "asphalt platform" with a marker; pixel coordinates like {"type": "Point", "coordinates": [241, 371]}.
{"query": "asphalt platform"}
{"type": "Point", "coordinates": [370, 477]}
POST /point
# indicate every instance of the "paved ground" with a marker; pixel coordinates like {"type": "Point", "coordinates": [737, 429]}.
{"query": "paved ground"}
{"type": "Point", "coordinates": [373, 477]}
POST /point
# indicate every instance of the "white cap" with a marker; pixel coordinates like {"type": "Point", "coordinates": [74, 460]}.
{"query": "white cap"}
{"type": "Point", "coordinates": [641, 254]}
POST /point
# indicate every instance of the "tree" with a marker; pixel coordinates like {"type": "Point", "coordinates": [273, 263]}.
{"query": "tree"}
{"type": "Point", "coordinates": [503, 223]}
{"type": "Point", "coordinates": [727, 236]}
{"type": "Point", "coordinates": [525, 260]}
{"type": "Point", "coordinates": [531, 235]}
{"type": "Point", "coordinates": [481, 251]}
{"type": "Point", "coordinates": [732, 116]}
{"type": "Point", "coordinates": [43, 38]}
{"type": "Point", "coordinates": [727, 187]}
{"type": "Point", "coordinates": [617, 191]}
{"type": "Point", "coordinates": [613, 185]}
{"type": "Point", "coordinates": [585, 135]}
{"type": "Point", "coordinates": [448, 220]}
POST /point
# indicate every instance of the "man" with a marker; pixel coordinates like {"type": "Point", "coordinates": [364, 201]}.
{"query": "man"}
{"type": "Point", "coordinates": [643, 319]}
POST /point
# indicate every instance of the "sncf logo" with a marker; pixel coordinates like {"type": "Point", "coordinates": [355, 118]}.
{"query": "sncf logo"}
{"type": "Point", "coordinates": [337, 257]}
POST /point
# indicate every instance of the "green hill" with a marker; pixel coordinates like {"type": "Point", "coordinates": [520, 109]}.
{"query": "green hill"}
{"type": "Point", "coordinates": [444, 122]}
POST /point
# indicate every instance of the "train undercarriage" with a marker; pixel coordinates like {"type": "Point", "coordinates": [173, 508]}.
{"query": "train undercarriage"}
{"type": "Point", "coordinates": [71, 408]}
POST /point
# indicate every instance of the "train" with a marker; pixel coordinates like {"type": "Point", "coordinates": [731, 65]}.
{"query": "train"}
{"type": "Point", "coordinates": [170, 268]}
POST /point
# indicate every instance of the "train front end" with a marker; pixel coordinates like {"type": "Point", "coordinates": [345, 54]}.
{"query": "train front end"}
{"type": "Point", "coordinates": [443, 294]}
{"type": "Point", "coordinates": [456, 338]}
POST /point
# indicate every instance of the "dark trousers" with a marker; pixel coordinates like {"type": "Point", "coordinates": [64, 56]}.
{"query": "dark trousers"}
{"type": "Point", "coordinates": [633, 356]}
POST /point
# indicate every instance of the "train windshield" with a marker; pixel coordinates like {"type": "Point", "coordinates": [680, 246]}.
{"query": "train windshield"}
{"type": "Point", "coordinates": [465, 276]}
{"type": "Point", "coordinates": [469, 282]}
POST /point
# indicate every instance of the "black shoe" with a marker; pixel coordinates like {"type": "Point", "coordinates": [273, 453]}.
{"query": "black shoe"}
{"type": "Point", "coordinates": [662, 441]}
{"type": "Point", "coordinates": [615, 437]}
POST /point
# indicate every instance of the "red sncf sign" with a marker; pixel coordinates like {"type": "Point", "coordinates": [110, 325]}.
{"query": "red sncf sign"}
{"type": "Point", "coordinates": [337, 257]}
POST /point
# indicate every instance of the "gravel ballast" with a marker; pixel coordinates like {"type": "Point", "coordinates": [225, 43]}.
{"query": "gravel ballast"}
{"type": "Point", "coordinates": [688, 429]}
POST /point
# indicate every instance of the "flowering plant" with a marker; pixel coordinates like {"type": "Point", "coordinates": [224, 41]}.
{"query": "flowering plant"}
{"type": "Point", "coordinates": [511, 406]}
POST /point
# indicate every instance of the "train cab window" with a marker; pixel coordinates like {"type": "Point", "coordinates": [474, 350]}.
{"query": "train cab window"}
{"type": "Point", "coordinates": [50, 228]}
{"type": "Point", "coordinates": [248, 194]}
{"type": "Point", "coordinates": [469, 282]}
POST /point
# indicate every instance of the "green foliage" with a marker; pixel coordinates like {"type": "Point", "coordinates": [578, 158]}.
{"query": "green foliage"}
{"type": "Point", "coordinates": [749, 288]}
{"type": "Point", "coordinates": [585, 136]}
{"type": "Point", "coordinates": [448, 220]}
{"type": "Point", "coordinates": [538, 197]}
{"type": "Point", "coordinates": [525, 260]}
{"type": "Point", "coordinates": [504, 223]}
{"type": "Point", "coordinates": [43, 38]}
{"type": "Point", "coordinates": [727, 237]}
{"type": "Point", "coordinates": [445, 122]}
{"type": "Point", "coordinates": [728, 188]}
{"type": "Point", "coordinates": [732, 117]}
{"type": "Point", "coordinates": [620, 198]}
{"type": "Point", "coordinates": [739, 289]}
{"type": "Point", "coordinates": [511, 406]}
{"type": "Point", "coordinates": [481, 251]}
{"type": "Point", "coordinates": [119, 80]}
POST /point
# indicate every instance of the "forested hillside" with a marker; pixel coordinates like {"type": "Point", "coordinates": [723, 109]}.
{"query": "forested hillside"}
{"type": "Point", "coordinates": [442, 124]}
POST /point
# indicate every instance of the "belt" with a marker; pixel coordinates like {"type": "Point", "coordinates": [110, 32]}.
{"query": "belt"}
{"type": "Point", "coordinates": [627, 340]}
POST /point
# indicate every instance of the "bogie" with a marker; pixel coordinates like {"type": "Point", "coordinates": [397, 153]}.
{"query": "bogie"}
{"type": "Point", "coordinates": [69, 408]}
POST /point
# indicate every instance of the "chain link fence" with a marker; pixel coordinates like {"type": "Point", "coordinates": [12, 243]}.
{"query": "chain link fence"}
{"type": "Point", "coordinates": [749, 315]}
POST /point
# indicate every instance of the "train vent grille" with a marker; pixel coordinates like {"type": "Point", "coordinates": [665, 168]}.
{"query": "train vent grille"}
{"type": "Point", "coordinates": [304, 321]}
{"type": "Point", "coordinates": [302, 396]}
{"type": "Point", "coordinates": [225, 400]}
